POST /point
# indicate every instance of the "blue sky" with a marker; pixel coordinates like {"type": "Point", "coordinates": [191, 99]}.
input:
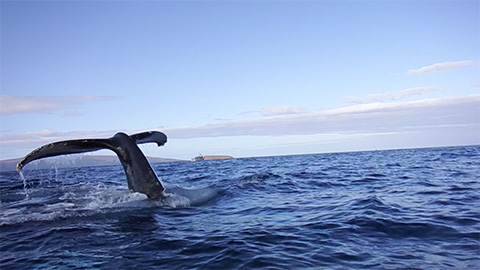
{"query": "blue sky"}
{"type": "Point", "coordinates": [247, 78]}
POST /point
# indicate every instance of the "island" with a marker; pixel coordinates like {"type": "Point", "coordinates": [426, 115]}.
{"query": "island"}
{"type": "Point", "coordinates": [73, 161]}
{"type": "Point", "coordinates": [211, 157]}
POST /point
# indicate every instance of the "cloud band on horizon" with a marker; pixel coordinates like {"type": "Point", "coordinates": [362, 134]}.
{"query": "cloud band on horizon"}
{"type": "Point", "coordinates": [362, 118]}
{"type": "Point", "coordinates": [457, 115]}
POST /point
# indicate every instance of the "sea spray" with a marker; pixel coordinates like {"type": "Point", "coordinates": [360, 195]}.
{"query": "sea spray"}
{"type": "Point", "coordinates": [25, 184]}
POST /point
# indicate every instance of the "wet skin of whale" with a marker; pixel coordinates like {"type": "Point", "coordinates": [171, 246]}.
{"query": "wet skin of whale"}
{"type": "Point", "coordinates": [140, 175]}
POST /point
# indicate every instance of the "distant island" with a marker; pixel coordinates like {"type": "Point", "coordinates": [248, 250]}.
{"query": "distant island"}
{"type": "Point", "coordinates": [73, 161]}
{"type": "Point", "coordinates": [211, 157]}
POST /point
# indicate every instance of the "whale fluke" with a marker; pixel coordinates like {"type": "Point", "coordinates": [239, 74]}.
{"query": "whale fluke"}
{"type": "Point", "coordinates": [149, 137]}
{"type": "Point", "coordinates": [140, 175]}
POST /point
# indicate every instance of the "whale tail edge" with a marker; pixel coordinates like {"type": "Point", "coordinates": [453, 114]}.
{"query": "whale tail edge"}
{"type": "Point", "coordinates": [140, 175]}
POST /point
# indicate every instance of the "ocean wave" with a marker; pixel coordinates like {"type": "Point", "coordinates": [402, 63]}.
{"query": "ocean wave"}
{"type": "Point", "coordinates": [257, 180]}
{"type": "Point", "coordinates": [404, 209]}
{"type": "Point", "coordinates": [396, 229]}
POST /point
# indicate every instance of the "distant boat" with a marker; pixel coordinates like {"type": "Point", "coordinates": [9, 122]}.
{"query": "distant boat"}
{"type": "Point", "coordinates": [198, 158]}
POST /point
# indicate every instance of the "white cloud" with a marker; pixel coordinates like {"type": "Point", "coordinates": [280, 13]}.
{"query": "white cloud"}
{"type": "Point", "coordinates": [414, 91]}
{"type": "Point", "coordinates": [440, 67]}
{"type": "Point", "coordinates": [47, 136]}
{"type": "Point", "coordinates": [456, 120]}
{"type": "Point", "coordinates": [283, 110]}
{"type": "Point", "coordinates": [394, 96]}
{"type": "Point", "coordinates": [43, 104]}
{"type": "Point", "coordinates": [362, 118]}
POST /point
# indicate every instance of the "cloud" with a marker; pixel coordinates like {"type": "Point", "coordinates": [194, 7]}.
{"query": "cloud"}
{"type": "Point", "coordinates": [362, 118]}
{"type": "Point", "coordinates": [394, 96]}
{"type": "Point", "coordinates": [47, 136]}
{"type": "Point", "coordinates": [449, 118]}
{"type": "Point", "coordinates": [414, 91]}
{"type": "Point", "coordinates": [440, 67]}
{"type": "Point", "coordinates": [277, 111]}
{"type": "Point", "coordinates": [283, 110]}
{"type": "Point", "coordinates": [43, 104]}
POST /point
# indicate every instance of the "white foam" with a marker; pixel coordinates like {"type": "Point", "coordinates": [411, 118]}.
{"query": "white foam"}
{"type": "Point", "coordinates": [83, 199]}
{"type": "Point", "coordinates": [175, 200]}
{"type": "Point", "coordinates": [46, 203]}
{"type": "Point", "coordinates": [115, 199]}
{"type": "Point", "coordinates": [59, 206]}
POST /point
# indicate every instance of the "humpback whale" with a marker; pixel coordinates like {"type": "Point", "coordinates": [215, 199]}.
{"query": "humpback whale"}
{"type": "Point", "coordinates": [140, 175]}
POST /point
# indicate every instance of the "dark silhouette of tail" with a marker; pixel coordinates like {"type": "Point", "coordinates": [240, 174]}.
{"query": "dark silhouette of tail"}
{"type": "Point", "coordinates": [140, 175]}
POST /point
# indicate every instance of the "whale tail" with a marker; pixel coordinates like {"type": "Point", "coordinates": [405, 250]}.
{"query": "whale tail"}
{"type": "Point", "coordinates": [140, 175]}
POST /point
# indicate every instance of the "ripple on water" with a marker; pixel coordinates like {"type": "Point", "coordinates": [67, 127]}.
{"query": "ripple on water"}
{"type": "Point", "coordinates": [401, 209]}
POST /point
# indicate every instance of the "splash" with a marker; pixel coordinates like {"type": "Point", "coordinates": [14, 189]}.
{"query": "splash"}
{"type": "Point", "coordinates": [25, 184]}
{"type": "Point", "coordinates": [174, 200]}
{"type": "Point", "coordinates": [82, 200]}
{"type": "Point", "coordinates": [183, 197]}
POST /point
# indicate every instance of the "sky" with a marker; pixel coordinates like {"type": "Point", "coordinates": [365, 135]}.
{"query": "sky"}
{"type": "Point", "coordinates": [241, 78]}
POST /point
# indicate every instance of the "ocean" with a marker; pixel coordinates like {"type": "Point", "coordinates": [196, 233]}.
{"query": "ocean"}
{"type": "Point", "coordinates": [397, 209]}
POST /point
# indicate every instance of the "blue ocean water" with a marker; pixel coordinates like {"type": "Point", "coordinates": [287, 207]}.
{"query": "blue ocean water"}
{"type": "Point", "coordinates": [399, 209]}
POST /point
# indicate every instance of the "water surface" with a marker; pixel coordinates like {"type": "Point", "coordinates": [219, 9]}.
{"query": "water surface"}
{"type": "Point", "coordinates": [365, 210]}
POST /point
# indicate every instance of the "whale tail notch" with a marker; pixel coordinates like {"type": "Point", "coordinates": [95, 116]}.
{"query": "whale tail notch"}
{"type": "Point", "coordinates": [140, 175]}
